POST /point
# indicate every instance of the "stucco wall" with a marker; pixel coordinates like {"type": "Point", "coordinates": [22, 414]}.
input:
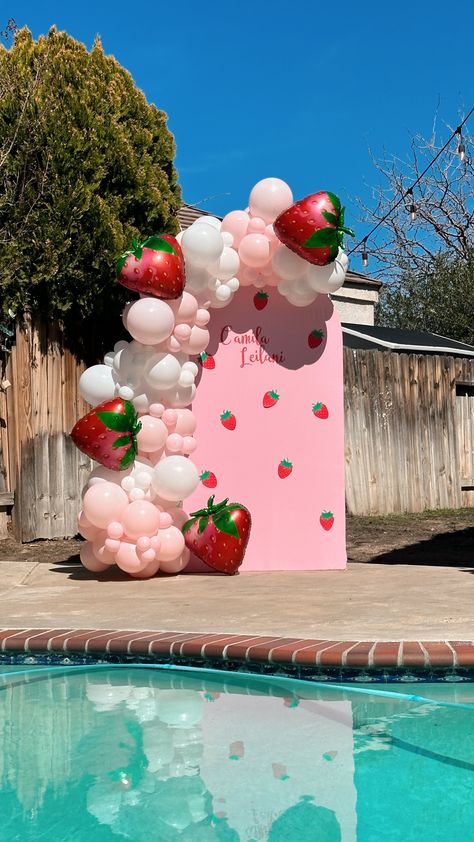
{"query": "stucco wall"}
{"type": "Point", "coordinates": [356, 305]}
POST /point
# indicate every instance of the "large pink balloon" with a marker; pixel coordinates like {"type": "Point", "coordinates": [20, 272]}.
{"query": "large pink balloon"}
{"type": "Point", "coordinates": [89, 560]}
{"type": "Point", "coordinates": [178, 564]}
{"type": "Point", "coordinates": [129, 560]}
{"type": "Point", "coordinates": [236, 223]}
{"type": "Point", "coordinates": [254, 250]}
{"type": "Point", "coordinates": [269, 198]}
{"type": "Point", "coordinates": [172, 544]}
{"type": "Point", "coordinates": [140, 518]}
{"type": "Point", "coordinates": [100, 551]}
{"type": "Point", "coordinates": [186, 423]}
{"type": "Point", "coordinates": [103, 503]}
{"type": "Point", "coordinates": [148, 572]}
{"type": "Point", "coordinates": [86, 528]}
{"type": "Point", "coordinates": [150, 321]}
{"type": "Point", "coordinates": [152, 435]}
{"type": "Point", "coordinates": [184, 308]}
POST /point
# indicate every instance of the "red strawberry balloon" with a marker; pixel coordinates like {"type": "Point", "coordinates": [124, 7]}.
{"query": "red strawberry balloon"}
{"type": "Point", "coordinates": [219, 535]}
{"type": "Point", "coordinates": [314, 228]}
{"type": "Point", "coordinates": [154, 267]}
{"type": "Point", "coordinates": [108, 434]}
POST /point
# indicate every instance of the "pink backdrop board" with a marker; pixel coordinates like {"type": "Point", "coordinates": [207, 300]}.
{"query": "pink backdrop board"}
{"type": "Point", "coordinates": [256, 351]}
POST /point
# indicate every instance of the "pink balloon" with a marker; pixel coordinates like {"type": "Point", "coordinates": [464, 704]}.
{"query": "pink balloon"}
{"type": "Point", "coordinates": [197, 342]}
{"type": "Point", "coordinates": [129, 560]}
{"type": "Point", "coordinates": [150, 321]}
{"type": "Point", "coordinates": [86, 528]}
{"type": "Point", "coordinates": [269, 198]}
{"type": "Point", "coordinates": [189, 445]}
{"type": "Point", "coordinates": [256, 225]}
{"type": "Point", "coordinates": [103, 503]}
{"type": "Point", "coordinates": [254, 250]}
{"type": "Point", "coordinates": [150, 570]}
{"type": "Point", "coordinates": [178, 564]}
{"type": "Point", "coordinates": [165, 521]}
{"type": "Point", "coordinates": [172, 543]}
{"type": "Point", "coordinates": [247, 276]}
{"type": "Point", "coordinates": [186, 422]}
{"type": "Point", "coordinates": [115, 529]}
{"type": "Point", "coordinates": [101, 551]}
{"type": "Point", "coordinates": [184, 308]}
{"type": "Point", "coordinates": [152, 435]}
{"type": "Point", "coordinates": [143, 544]}
{"type": "Point", "coordinates": [174, 443]}
{"type": "Point", "coordinates": [140, 518]}
{"type": "Point", "coordinates": [179, 516]}
{"type": "Point", "coordinates": [170, 417]}
{"type": "Point", "coordinates": [112, 545]}
{"type": "Point", "coordinates": [156, 409]}
{"type": "Point", "coordinates": [202, 317]}
{"type": "Point", "coordinates": [182, 332]}
{"type": "Point", "coordinates": [89, 560]}
{"type": "Point", "coordinates": [236, 223]}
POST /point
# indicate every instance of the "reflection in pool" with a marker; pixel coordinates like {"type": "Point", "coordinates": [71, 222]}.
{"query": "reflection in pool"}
{"type": "Point", "coordinates": [141, 754]}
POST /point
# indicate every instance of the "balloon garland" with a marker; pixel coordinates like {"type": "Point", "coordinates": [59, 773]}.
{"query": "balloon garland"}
{"type": "Point", "coordinates": [141, 429]}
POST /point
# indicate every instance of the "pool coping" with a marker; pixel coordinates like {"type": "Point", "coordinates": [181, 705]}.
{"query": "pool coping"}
{"type": "Point", "coordinates": [241, 649]}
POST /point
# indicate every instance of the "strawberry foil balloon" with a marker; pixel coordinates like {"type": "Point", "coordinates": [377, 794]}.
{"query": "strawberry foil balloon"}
{"type": "Point", "coordinates": [219, 535]}
{"type": "Point", "coordinates": [154, 267]}
{"type": "Point", "coordinates": [108, 434]}
{"type": "Point", "coordinates": [314, 228]}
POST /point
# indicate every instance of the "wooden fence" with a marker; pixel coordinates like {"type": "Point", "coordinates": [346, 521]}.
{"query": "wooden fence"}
{"type": "Point", "coordinates": [409, 434]}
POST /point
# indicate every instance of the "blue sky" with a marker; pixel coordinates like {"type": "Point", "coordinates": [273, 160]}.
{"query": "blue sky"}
{"type": "Point", "coordinates": [298, 90]}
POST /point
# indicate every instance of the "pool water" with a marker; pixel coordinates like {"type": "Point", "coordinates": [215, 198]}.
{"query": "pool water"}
{"type": "Point", "coordinates": [155, 755]}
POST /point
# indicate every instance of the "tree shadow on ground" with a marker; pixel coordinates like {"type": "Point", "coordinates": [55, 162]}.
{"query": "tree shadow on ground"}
{"type": "Point", "coordinates": [448, 549]}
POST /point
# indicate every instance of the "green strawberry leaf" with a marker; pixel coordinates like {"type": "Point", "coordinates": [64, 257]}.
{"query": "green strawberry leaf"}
{"type": "Point", "coordinates": [203, 522]}
{"type": "Point", "coordinates": [342, 214]}
{"type": "Point", "coordinates": [114, 421]}
{"type": "Point", "coordinates": [158, 244]}
{"type": "Point", "coordinates": [321, 238]}
{"type": "Point", "coordinates": [129, 411]}
{"type": "Point", "coordinates": [224, 523]}
{"type": "Point", "coordinates": [336, 202]}
{"type": "Point", "coordinates": [121, 441]}
{"type": "Point", "coordinates": [128, 457]}
{"type": "Point", "coordinates": [330, 217]}
{"type": "Point", "coordinates": [186, 526]}
{"type": "Point", "coordinates": [335, 251]}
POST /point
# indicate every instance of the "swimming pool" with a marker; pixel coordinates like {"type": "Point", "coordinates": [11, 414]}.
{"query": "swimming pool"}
{"type": "Point", "coordinates": [142, 753]}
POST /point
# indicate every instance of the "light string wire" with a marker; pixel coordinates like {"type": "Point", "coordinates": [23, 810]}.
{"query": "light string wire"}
{"type": "Point", "coordinates": [409, 191]}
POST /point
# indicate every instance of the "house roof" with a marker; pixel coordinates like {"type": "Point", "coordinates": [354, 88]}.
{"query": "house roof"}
{"type": "Point", "coordinates": [372, 337]}
{"type": "Point", "coordinates": [188, 214]}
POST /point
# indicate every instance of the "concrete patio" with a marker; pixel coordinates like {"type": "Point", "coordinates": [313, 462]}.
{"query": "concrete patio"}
{"type": "Point", "coordinates": [365, 602]}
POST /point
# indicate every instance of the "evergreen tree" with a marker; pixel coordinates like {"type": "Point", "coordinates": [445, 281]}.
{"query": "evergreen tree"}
{"type": "Point", "coordinates": [86, 163]}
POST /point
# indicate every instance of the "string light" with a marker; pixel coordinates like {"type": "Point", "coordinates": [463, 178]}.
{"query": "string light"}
{"type": "Point", "coordinates": [461, 147]}
{"type": "Point", "coordinates": [412, 207]}
{"type": "Point", "coordinates": [461, 151]}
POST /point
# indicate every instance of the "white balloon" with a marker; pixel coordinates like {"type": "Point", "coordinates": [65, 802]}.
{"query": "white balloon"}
{"type": "Point", "coordinates": [223, 293]}
{"type": "Point", "coordinates": [192, 367]}
{"type": "Point", "coordinates": [126, 392]}
{"type": "Point", "coordinates": [162, 371]}
{"type": "Point", "coordinates": [196, 278]}
{"type": "Point", "coordinates": [269, 198]}
{"type": "Point", "coordinates": [228, 238]}
{"type": "Point", "coordinates": [228, 264]}
{"type": "Point", "coordinates": [327, 279]}
{"type": "Point", "coordinates": [288, 265]}
{"type": "Point", "coordinates": [180, 397]}
{"type": "Point", "coordinates": [109, 358]}
{"type": "Point", "coordinates": [150, 321]}
{"type": "Point", "coordinates": [97, 384]}
{"type": "Point", "coordinates": [233, 284]}
{"type": "Point", "coordinates": [202, 244]}
{"type": "Point", "coordinates": [209, 220]}
{"type": "Point", "coordinates": [175, 478]}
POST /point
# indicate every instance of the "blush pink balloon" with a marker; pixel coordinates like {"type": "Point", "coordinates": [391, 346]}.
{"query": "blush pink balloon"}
{"type": "Point", "coordinates": [254, 250]}
{"type": "Point", "coordinates": [150, 570]}
{"type": "Point", "coordinates": [247, 276]}
{"type": "Point", "coordinates": [174, 443]}
{"type": "Point", "coordinates": [256, 225]}
{"type": "Point", "coordinates": [143, 543]}
{"type": "Point", "coordinates": [184, 308]}
{"type": "Point", "coordinates": [115, 530]}
{"type": "Point", "coordinates": [89, 560]}
{"type": "Point", "coordinates": [170, 417]}
{"type": "Point", "coordinates": [269, 198]}
{"type": "Point", "coordinates": [165, 521]}
{"type": "Point", "coordinates": [202, 317]}
{"type": "Point", "coordinates": [112, 545]}
{"type": "Point", "coordinates": [140, 518]}
{"type": "Point", "coordinates": [150, 321]}
{"type": "Point", "coordinates": [129, 560]}
{"type": "Point", "coordinates": [186, 422]}
{"type": "Point", "coordinates": [236, 223]}
{"type": "Point", "coordinates": [86, 528]}
{"type": "Point", "coordinates": [189, 445]}
{"type": "Point", "coordinates": [172, 543]}
{"type": "Point", "coordinates": [197, 342]}
{"type": "Point", "coordinates": [103, 503]}
{"type": "Point", "coordinates": [182, 332]}
{"type": "Point", "coordinates": [156, 409]}
{"type": "Point", "coordinates": [152, 435]}
{"type": "Point", "coordinates": [178, 564]}
{"type": "Point", "coordinates": [179, 516]}
{"type": "Point", "coordinates": [101, 551]}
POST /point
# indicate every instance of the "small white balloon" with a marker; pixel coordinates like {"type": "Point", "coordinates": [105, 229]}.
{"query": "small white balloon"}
{"type": "Point", "coordinates": [126, 392]}
{"type": "Point", "coordinates": [109, 358]}
{"type": "Point", "coordinates": [192, 367]}
{"type": "Point", "coordinates": [228, 238]}
{"type": "Point", "coordinates": [122, 343]}
{"type": "Point", "coordinates": [228, 264]}
{"type": "Point", "coordinates": [96, 384]}
{"type": "Point", "coordinates": [175, 478]}
{"type": "Point", "coordinates": [128, 483]}
{"type": "Point", "coordinates": [233, 284]}
{"type": "Point", "coordinates": [186, 378]}
{"type": "Point", "coordinates": [223, 293]}
{"type": "Point", "coordinates": [202, 244]}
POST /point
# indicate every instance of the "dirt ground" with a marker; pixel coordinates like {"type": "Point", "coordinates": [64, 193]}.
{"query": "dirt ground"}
{"type": "Point", "coordinates": [444, 538]}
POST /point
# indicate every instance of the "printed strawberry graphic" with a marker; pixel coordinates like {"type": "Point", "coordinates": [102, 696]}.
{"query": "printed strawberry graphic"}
{"type": "Point", "coordinates": [207, 361]}
{"type": "Point", "coordinates": [320, 410]}
{"type": "Point", "coordinates": [219, 535]}
{"type": "Point", "coordinates": [315, 338]}
{"type": "Point", "coordinates": [154, 267]}
{"type": "Point", "coordinates": [326, 520]}
{"type": "Point", "coordinates": [208, 479]}
{"type": "Point", "coordinates": [96, 434]}
{"type": "Point", "coordinates": [314, 227]}
{"type": "Point", "coordinates": [270, 399]}
{"type": "Point", "coordinates": [260, 300]}
{"type": "Point", "coordinates": [285, 468]}
{"type": "Point", "coordinates": [228, 420]}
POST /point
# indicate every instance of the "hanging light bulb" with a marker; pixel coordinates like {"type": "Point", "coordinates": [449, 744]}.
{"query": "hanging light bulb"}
{"type": "Point", "coordinates": [461, 148]}
{"type": "Point", "coordinates": [365, 256]}
{"type": "Point", "coordinates": [412, 206]}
